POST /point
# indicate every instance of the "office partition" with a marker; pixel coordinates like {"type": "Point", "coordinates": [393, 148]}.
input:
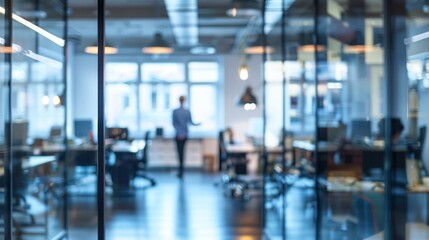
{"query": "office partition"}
{"type": "Point", "coordinates": [369, 150]}
{"type": "Point", "coordinates": [33, 88]}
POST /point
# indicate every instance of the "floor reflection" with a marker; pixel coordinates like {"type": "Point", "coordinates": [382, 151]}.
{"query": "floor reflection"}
{"type": "Point", "coordinates": [192, 208]}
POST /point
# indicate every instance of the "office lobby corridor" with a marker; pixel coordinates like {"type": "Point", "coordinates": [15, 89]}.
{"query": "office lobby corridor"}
{"type": "Point", "coordinates": [192, 208]}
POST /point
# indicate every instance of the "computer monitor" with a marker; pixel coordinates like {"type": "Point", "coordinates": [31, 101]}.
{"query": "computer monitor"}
{"type": "Point", "coordinates": [82, 128]}
{"type": "Point", "coordinates": [331, 134]}
{"type": "Point", "coordinates": [55, 132]}
{"type": "Point", "coordinates": [117, 133]}
{"type": "Point", "coordinates": [19, 132]}
{"type": "Point", "coordinates": [359, 129]}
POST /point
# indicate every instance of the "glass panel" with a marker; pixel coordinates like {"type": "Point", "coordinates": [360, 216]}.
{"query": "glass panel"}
{"type": "Point", "coordinates": [121, 72]}
{"type": "Point", "coordinates": [410, 92]}
{"type": "Point", "coordinates": [82, 123]}
{"type": "Point", "coordinates": [201, 108]}
{"type": "Point", "coordinates": [41, 72]}
{"type": "Point", "coordinates": [203, 71]}
{"type": "Point", "coordinates": [350, 104]}
{"type": "Point", "coordinates": [4, 92]}
{"type": "Point", "coordinates": [121, 105]}
{"type": "Point", "coordinates": [163, 72]}
{"type": "Point", "coordinates": [290, 195]}
{"type": "Point", "coordinates": [38, 118]}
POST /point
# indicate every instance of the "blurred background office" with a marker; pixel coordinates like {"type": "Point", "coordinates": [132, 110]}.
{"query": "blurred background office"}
{"type": "Point", "coordinates": [299, 103]}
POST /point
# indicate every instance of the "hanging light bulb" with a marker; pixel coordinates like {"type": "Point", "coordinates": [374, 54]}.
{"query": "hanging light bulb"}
{"type": "Point", "coordinates": [243, 72]}
{"type": "Point", "coordinates": [45, 100]}
{"type": "Point", "coordinates": [56, 100]}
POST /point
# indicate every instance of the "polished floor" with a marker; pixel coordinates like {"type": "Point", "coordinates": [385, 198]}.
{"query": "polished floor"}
{"type": "Point", "coordinates": [191, 208]}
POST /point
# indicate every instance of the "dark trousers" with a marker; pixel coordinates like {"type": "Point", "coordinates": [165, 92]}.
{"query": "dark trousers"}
{"type": "Point", "coordinates": [180, 142]}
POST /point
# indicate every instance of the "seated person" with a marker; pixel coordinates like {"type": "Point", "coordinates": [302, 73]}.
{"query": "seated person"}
{"type": "Point", "coordinates": [396, 128]}
{"type": "Point", "coordinates": [229, 136]}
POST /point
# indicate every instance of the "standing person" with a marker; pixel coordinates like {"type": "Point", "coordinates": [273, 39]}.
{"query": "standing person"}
{"type": "Point", "coordinates": [181, 119]}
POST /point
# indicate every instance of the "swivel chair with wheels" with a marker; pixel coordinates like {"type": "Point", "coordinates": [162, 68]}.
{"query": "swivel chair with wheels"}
{"type": "Point", "coordinates": [233, 167]}
{"type": "Point", "coordinates": [142, 162]}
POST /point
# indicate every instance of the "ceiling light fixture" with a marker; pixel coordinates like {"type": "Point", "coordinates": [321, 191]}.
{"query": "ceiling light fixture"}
{"type": "Point", "coordinates": [158, 46]}
{"type": "Point", "coordinates": [244, 8]}
{"type": "Point", "coordinates": [108, 49]}
{"type": "Point", "coordinates": [243, 72]}
{"type": "Point", "coordinates": [357, 45]}
{"type": "Point", "coordinates": [248, 100]}
{"type": "Point", "coordinates": [256, 47]}
{"type": "Point", "coordinates": [306, 44]}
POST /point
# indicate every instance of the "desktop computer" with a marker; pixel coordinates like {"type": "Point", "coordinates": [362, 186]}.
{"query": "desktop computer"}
{"type": "Point", "coordinates": [359, 129]}
{"type": "Point", "coordinates": [19, 132]}
{"type": "Point", "coordinates": [82, 128]}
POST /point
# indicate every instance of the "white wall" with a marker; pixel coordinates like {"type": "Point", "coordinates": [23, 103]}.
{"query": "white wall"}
{"type": "Point", "coordinates": [84, 88]}
{"type": "Point", "coordinates": [235, 116]}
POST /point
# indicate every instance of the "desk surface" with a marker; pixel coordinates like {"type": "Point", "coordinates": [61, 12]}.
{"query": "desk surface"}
{"type": "Point", "coordinates": [32, 162]}
{"type": "Point", "coordinates": [58, 148]}
{"type": "Point", "coordinates": [249, 148]}
{"type": "Point", "coordinates": [324, 146]}
{"type": "Point", "coordinates": [414, 231]}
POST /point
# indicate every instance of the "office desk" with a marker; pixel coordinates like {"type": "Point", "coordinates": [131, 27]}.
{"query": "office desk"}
{"type": "Point", "coordinates": [355, 160]}
{"type": "Point", "coordinates": [125, 165]}
{"type": "Point", "coordinates": [414, 231]}
{"type": "Point", "coordinates": [244, 150]}
{"type": "Point", "coordinates": [32, 162]}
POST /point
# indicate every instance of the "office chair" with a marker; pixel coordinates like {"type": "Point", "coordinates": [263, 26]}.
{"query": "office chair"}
{"type": "Point", "coordinates": [142, 162]}
{"type": "Point", "coordinates": [232, 168]}
{"type": "Point", "coordinates": [20, 187]}
{"type": "Point", "coordinates": [422, 140]}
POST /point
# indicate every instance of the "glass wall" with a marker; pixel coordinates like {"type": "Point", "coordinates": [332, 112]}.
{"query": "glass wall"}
{"type": "Point", "coordinates": [4, 114]}
{"type": "Point", "coordinates": [349, 153]}
{"type": "Point", "coordinates": [33, 175]}
{"type": "Point", "coordinates": [409, 94]}
{"type": "Point", "coordinates": [367, 157]}
{"type": "Point", "coordinates": [290, 105]}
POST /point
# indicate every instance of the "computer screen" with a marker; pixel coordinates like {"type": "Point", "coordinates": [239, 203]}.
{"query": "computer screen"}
{"type": "Point", "coordinates": [359, 129]}
{"type": "Point", "coordinates": [331, 134]}
{"type": "Point", "coordinates": [19, 132]}
{"type": "Point", "coordinates": [82, 128]}
{"type": "Point", "coordinates": [117, 133]}
{"type": "Point", "coordinates": [56, 131]}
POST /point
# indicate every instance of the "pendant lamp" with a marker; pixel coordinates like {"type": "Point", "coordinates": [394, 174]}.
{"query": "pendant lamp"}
{"type": "Point", "coordinates": [256, 47]}
{"type": "Point", "coordinates": [248, 100]}
{"type": "Point", "coordinates": [158, 46]}
{"type": "Point", "coordinates": [108, 49]}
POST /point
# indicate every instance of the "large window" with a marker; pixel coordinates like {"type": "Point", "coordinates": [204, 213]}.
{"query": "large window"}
{"type": "Point", "coordinates": [143, 96]}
